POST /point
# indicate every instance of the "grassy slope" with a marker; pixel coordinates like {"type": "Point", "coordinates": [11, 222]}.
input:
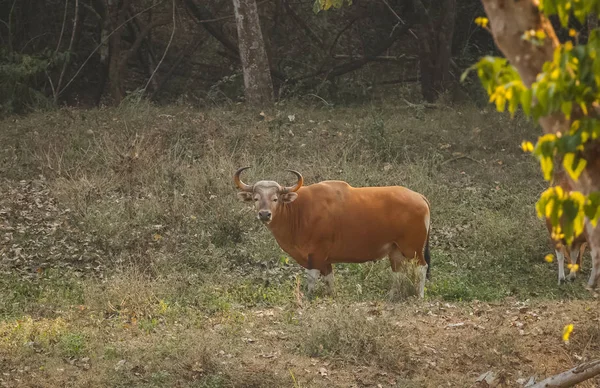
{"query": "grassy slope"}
{"type": "Point", "coordinates": [123, 240]}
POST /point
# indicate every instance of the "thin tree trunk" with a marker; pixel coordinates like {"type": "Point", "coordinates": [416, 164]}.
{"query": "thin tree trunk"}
{"type": "Point", "coordinates": [70, 51]}
{"type": "Point", "coordinates": [255, 64]}
{"type": "Point", "coordinates": [104, 50]}
{"type": "Point", "coordinates": [444, 45]}
{"type": "Point", "coordinates": [427, 50]}
{"type": "Point", "coordinates": [435, 49]}
{"type": "Point", "coordinates": [116, 17]}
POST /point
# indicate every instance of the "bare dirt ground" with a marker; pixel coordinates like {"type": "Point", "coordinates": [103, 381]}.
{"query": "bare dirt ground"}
{"type": "Point", "coordinates": [411, 344]}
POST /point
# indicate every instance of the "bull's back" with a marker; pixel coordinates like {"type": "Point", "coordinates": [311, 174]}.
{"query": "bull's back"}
{"type": "Point", "coordinates": [362, 224]}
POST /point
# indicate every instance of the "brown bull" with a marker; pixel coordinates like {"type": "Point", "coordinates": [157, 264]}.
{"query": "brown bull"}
{"type": "Point", "coordinates": [332, 222]}
{"type": "Point", "coordinates": [577, 248]}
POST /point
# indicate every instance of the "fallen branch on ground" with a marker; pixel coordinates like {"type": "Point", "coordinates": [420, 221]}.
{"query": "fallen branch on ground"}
{"type": "Point", "coordinates": [571, 377]}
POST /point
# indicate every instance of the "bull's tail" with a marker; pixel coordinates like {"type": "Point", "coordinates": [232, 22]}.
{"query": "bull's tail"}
{"type": "Point", "coordinates": [426, 252]}
{"type": "Point", "coordinates": [427, 255]}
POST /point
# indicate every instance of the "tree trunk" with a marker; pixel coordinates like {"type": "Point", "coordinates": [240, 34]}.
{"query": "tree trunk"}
{"type": "Point", "coordinates": [444, 45]}
{"type": "Point", "coordinates": [116, 17]}
{"type": "Point", "coordinates": [509, 19]}
{"type": "Point", "coordinates": [435, 49]}
{"type": "Point", "coordinates": [255, 64]}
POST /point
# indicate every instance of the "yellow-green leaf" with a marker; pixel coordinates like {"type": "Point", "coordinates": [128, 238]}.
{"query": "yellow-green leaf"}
{"type": "Point", "coordinates": [567, 107]}
{"type": "Point", "coordinates": [573, 166]}
{"type": "Point", "coordinates": [547, 167]}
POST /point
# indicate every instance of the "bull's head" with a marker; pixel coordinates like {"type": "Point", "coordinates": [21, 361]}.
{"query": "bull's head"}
{"type": "Point", "coordinates": [267, 195]}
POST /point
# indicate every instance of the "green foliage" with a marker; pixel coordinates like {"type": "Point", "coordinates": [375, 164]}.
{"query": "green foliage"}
{"type": "Point", "coordinates": [22, 77]}
{"type": "Point", "coordinates": [568, 84]}
{"type": "Point", "coordinates": [563, 8]}
{"type": "Point", "coordinates": [324, 5]}
{"type": "Point", "coordinates": [72, 344]}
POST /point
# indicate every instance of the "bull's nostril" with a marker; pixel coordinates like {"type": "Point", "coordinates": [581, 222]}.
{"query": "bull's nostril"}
{"type": "Point", "coordinates": [264, 214]}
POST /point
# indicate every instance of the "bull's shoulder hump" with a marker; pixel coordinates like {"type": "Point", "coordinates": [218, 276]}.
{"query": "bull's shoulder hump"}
{"type": "Point", "coordinates": [328, 186]}
{"type": "Point", "coordinates": [334, 183]}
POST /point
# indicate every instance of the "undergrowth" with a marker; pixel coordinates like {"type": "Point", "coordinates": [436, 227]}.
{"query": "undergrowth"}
{"type": "Point", "coordinates": [127, 218]}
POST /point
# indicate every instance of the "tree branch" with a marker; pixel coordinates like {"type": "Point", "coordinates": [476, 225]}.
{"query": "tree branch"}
{"type": "Point", "coordinates": [347, 67]}
{"type": "Point", "coordinates": [337, 37]}
{"type": "Point", "coordinates": [166, 49]}
{"type": "Point", "coordinates": [203, 14]}
{"type": "Point", "coordinates": [103, 42]}
{"type": "Point", "coordinates": [70, 49]}
{"type": "Point", "coordinates": [356, 64]}
{"type": "Point", "coordinates": [571, 377]}
{"type": "Point", "coordinates": [141, 36]}
{"type": "Point", "coordinates": [303, 25]}
{"type": "Point", "coordinates": [178, 60]}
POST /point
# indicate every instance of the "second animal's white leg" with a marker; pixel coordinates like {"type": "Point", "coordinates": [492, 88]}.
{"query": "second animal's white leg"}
{"type": "Point", "coordinates": [561, 266]}
{"type": "Point", "coordinates": [423, 270]}
{"type": "Point", "coordinates": [592, 238]}
{"type": "Point", "coordinates": [574, 253]}
{"type": "Point", "coordinates": [312, 275]}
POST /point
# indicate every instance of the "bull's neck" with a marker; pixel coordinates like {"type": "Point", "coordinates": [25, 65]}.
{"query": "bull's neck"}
{"type": "Point", "coordinates": [286, 221]}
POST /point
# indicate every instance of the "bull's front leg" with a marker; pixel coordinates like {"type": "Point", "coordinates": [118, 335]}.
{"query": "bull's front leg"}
{"type": "Point", "coordinates": [317, 265]}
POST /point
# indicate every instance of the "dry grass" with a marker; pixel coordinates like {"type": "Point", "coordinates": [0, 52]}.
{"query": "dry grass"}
{"type": "Point", "coordinates": [129, 261]}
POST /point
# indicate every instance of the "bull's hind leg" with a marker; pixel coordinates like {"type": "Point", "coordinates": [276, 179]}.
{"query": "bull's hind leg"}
{"type": "Point", "coordinates": [327, 273]}
{"type": "Point", "coordinates": [423, 267]}
{"type": "Point", "coordinates": [396, 261]}
{"type": "Point", "coordinates": [397, 257]}
{"type": "Point", "coordinates": [312, 275]}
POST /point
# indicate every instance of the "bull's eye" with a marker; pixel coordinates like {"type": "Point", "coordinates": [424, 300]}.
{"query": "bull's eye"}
{"type": "Point", "coordinates": [255, 199]}
{"type": "Point", "coordinates": [275, 199]}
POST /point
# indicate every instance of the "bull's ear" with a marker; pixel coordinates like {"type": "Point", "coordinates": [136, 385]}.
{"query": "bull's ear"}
{"type": "Point", "coordinates": [289, 197]}
{"type": "Point", "coordinates": [245, 196]}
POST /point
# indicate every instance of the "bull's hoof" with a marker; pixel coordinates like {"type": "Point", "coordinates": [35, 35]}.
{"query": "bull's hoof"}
{"type": "Point", "coordinates": [572, 276]}
{"type": "Point", "coordinates": [561, 281]}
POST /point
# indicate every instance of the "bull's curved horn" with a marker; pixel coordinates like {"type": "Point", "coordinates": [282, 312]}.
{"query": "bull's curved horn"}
{"type": "Point", "coordinates": [238, 182]}
{"type": "Point", "coordinates": [298, 185]}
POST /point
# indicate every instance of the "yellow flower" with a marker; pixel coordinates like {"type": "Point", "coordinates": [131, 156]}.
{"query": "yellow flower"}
{"type": "Point", "coordinates": [540, 34]}
{"type": "Point", "coordinates": [568, 329]}
{"type": "Point", "coordinates": [568, 46]}
{"type": "Point", "coordinates": [572, 33]}
{"type": "Point", "coordinates": [482, 21]}
{"type": "Point", "coordinates": [573, 267]}
{"type": "Point", "coordinates": [527, 146]}
{"type": "Point", "coordinates": [549, 258]}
